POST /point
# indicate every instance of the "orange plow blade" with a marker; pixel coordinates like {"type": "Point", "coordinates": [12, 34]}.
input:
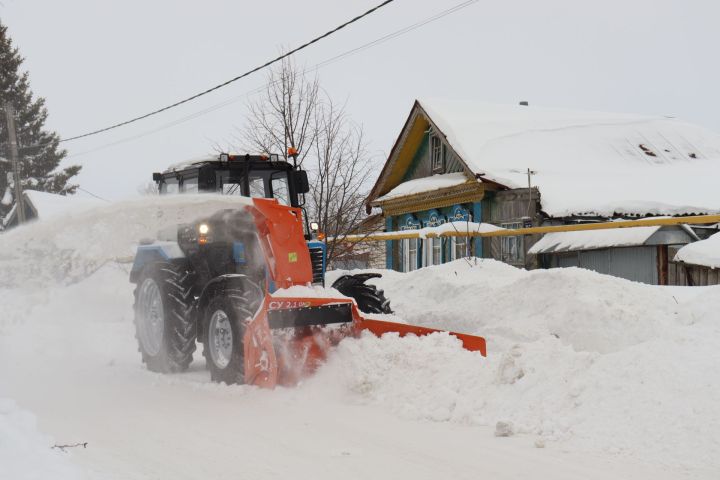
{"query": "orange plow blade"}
{"type": "Point", "coordinates": [378, 327]}
{"type": "Point", "coordinates": [290, 337]}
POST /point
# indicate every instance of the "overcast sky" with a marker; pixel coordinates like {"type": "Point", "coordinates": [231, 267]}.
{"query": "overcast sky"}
{"type": "Point", "coordinates": [99, 62]}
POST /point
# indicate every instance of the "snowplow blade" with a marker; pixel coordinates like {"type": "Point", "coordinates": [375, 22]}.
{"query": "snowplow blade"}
{"type": "Point", "coordinates": [379, 327]}
{"type": "Point", "coordinates": [290, 337]}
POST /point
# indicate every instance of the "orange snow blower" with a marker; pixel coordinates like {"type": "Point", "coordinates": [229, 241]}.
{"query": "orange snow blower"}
{"type": "Point", "coordinates": [245, 283]}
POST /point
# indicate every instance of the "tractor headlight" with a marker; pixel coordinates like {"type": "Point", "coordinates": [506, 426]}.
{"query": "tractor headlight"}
{"type": "Point", "coordinates": [203, 228]}
{"type": "Point", "coordinates": [314, 226]}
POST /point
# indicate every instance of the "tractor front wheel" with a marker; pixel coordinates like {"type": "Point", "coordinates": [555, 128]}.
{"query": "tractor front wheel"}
{"type": "Point", "coordinates": [226, 315]}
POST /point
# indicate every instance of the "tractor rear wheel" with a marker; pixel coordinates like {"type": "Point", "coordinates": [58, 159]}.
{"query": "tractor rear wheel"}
{"type": "Point", "coordinates": [225, 318]}
{"type": "Point", "coordinates": [368, 297]}
{"type": "Point", "coordinates": [164, 326]}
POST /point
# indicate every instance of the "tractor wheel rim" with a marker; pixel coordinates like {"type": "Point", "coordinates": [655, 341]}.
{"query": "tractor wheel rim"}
{"type": "Point", "coordinates": [220, 339]}
{"type": "Point", "coordinates": [152, 317]}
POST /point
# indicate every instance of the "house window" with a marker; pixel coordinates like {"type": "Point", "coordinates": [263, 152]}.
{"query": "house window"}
{"type": "Point", "coordinates": [437, 154]}
{"type": "Point", "coordinates": [459, 247]}
{"type": "Point", "coordinates": [409, 254]}
{"type": "Point", "coordinates": [433, 251]}
{"type": "Point", "coordinates": [511, 248]}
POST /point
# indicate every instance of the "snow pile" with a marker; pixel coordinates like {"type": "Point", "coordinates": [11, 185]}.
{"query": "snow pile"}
{"type": "Point", "coordinates": [642, 158]}
{"type": "Point", "coordinates": [26, 454]}
{"type": "Point", "coordinates": [705, 252]}
{"type": "Point", "coordinates": [426, 184]}
{"type": "Point", "coordinates": [593, 362]}
{"type": "Point", "coordinates": [576, 360]}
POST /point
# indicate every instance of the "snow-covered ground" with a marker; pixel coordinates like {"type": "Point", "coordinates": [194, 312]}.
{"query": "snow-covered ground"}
{"type": "Point", "coordinates": [597, 377]}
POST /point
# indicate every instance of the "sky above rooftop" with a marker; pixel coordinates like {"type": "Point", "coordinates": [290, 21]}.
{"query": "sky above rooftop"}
{"type": "Point", "coordinates": [100, 62]}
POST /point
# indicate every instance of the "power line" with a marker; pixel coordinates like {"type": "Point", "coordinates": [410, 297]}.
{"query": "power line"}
{"type": "Point", "coordinates": [317, 66]}
{"type": "Point", "coordinates": [93, 195]}
{"type": "Point", "coordinates": [228, 82]}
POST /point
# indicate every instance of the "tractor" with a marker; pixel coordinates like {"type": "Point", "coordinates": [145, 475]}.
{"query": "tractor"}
{"type": "Point", "coordinates": [246, 281]}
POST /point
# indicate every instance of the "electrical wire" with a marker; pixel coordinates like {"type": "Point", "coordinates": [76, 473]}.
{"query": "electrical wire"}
{"type": "Point", "coordinates": [316, 67]}
{"type": "Point", "coordinates": [228, 82]}
{"type": "Point", "coordinates": [93, 195]}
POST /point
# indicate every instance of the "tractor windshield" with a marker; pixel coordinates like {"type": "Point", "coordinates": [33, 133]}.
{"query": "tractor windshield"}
{"type": "Point", "coordinates": [256, 177]}
{"type": "Point", "coordinates": [261, 185]}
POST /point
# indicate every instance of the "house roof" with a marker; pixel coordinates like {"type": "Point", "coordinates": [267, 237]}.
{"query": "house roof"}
{"type": "Point", "coordinates": [705, 252]}
{"type": "Point", "coordinates": [49, 205]}
{"type": "Point", "coordinates": [592, 239]}
{"type": "Point", "coordinates": [426, 184]}
{"type": "Point", "coordinates": [584, 163]}
{"type": "Point", "coordinates": [46, 205]}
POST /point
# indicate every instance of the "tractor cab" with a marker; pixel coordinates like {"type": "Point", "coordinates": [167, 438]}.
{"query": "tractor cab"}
{"type": "Point", "coordinates": [259, 176]}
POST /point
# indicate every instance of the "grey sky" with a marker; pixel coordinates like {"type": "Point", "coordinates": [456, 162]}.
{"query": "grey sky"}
{"type": "Point", "coordinates": [98, 62]}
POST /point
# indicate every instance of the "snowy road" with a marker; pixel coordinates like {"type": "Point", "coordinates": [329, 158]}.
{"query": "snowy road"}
{"type": "Point", "coordinates": [140, 425]}
{"type": "Point", "coordinates": [612, 379]}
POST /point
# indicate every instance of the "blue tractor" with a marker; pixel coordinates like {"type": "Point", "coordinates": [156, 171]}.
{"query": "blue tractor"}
{"type": "Point", "coordinates": [218, 261]}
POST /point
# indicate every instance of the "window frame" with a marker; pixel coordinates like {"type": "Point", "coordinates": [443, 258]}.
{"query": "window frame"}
{"type": "Point", "coordinates": [407, 254]}
{"type": "Point", "coordinates": [437, 150]}
{"type": "Point", "coordinates": [454, 245]}
{"type": "Point", "coordinates": [512, 248]}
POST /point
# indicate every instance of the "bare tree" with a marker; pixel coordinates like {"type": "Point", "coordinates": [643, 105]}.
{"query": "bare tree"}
{"type": "Point", "coordinates": [339, 175]}
{"type": "Point", "coordinates": [283, 116]}
{"type": "Point", "coordinates": [294, 112]}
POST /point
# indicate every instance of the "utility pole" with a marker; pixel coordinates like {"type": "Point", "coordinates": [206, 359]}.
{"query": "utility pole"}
{"type": "Point", "coordinates": [530, 173]}
{"type": "Point", "coordinates": [12, 140]}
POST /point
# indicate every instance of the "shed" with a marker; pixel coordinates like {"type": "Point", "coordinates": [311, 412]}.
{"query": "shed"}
{"type": "Point", "coordinates": [639, 253]}
{"type": "Point", "coordinates": [700, 261]}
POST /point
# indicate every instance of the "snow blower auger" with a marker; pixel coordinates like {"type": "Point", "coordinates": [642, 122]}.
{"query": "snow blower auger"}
{"type": "Point", "coordinates": [240, 282]}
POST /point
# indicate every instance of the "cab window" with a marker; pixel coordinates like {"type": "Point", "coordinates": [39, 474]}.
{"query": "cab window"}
{"type": "Point", "coordinates": [280, 189]}
{"type": "Point", "coordinates": [170, 186]}
{"type": "Point", "coordinates": [190, 185]}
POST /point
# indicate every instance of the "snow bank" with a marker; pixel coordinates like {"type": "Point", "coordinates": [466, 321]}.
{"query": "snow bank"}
{"type": "Point", "coordinates": [26, 454]}
{"type": "Point", "coordinates": [588, 361]}
{"type": "Point", "coordinates": [705, 252]}
{"type": "Point", "coordinates": [576, 359]}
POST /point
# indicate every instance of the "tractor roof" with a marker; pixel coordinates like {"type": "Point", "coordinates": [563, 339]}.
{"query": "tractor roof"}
{"type": "Point", "coordinates": [228, 160]}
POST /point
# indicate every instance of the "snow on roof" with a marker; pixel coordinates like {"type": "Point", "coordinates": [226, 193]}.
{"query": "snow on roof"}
{"type": "Point", "coordinates": [705, 252]}
{"type": "Point", "coordinates": [426, 184]}
{"type": "Point", "coordinates": [590, 163]}
{"type": "Point", "coordinates": [50, 205]}
{"type": "Point", "coordinates": [592, 239]}
{"type": "Point", "coordinates": [182, 165]}
{"type": "Point", "coordinates": [447, 227]}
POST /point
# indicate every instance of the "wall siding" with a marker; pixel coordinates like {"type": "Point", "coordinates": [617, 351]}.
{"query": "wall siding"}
{"type": "Point", "coordinates": [638, 264]}
{"type": "Point", "coordinates": [420, 166]}
{"type": "Point", "coordinates": [510, 206]}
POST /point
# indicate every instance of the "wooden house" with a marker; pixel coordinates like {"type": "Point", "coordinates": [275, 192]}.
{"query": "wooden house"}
{"type": "Point", "coordinates": [519, 166]}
